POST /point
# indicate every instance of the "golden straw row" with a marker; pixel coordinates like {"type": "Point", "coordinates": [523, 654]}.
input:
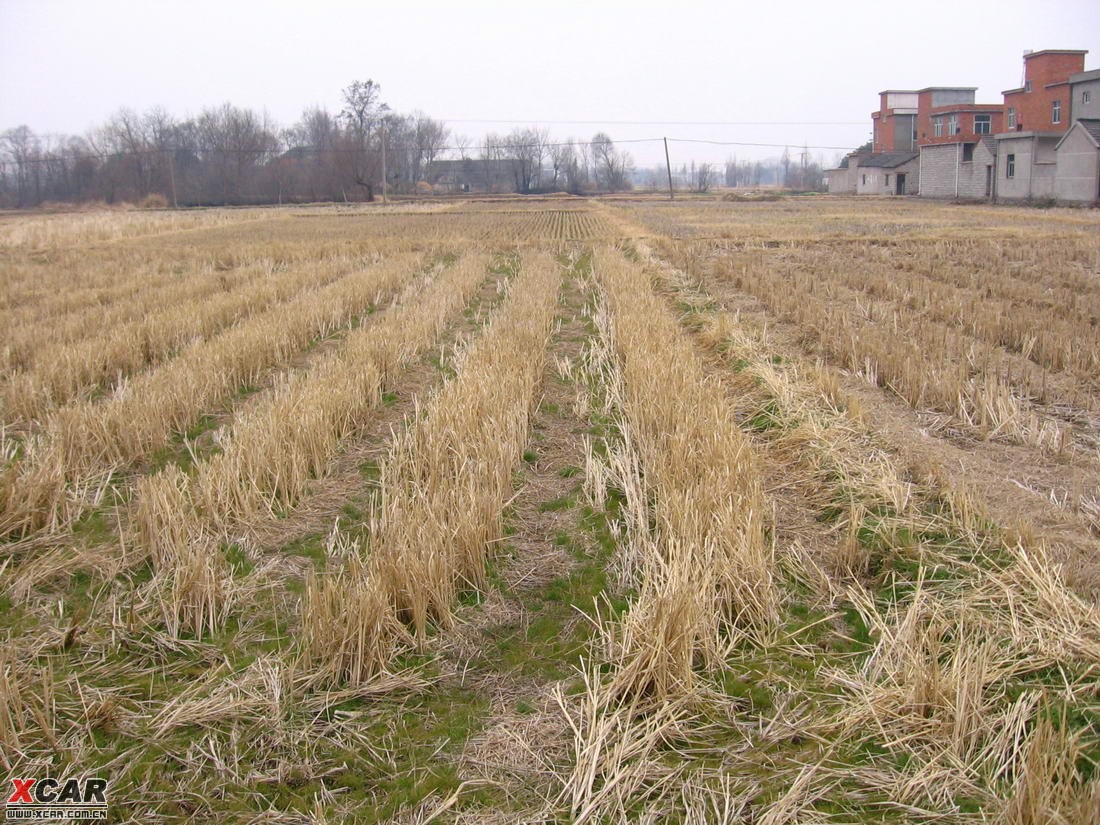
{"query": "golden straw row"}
{"type": "Point", "coordinates": [704, 571]}
{"type": "Point", "coordinates": [91, 309]}
{"type": "Point", "coordinates": [59, 230]}
{"type": "Point", "coordinates": [694, 549]}
{"type": "Point", "coordinates": [273, 450]}
{"type": "Point", "coordinates": [925, 363]}
{"type": "Point", "coordinates": [62, 469]}
{"type": "Point", "coordinates": [1053, 336]}
{"type": "Point", "coordinates": [69, 283]}
{"type": "Point", "coordinates": [443, 489]}
{"type": "Point", "coordinates": [59, 372]}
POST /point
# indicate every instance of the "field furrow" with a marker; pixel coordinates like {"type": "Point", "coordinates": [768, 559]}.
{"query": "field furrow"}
{"type": "Point", "coordinates": [269, 456]}
{"type": "Point", "coordinates": [61, 470]}
{"type": "Point", "coordinates": [443, 490]}
{"type": "Point", "coordinates": [101, 361]}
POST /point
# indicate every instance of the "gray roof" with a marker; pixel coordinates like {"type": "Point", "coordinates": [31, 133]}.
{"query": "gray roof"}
{"type": "Point", "coordinates": [1083, 77]}
{"type": "Point", "coordinates": [1090, 125]}
{"type": "Point", "coordinates": [886, 160]}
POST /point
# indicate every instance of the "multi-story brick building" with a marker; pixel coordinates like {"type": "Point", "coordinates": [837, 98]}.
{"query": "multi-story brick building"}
{"type": "Point", "coordinates": [956, 157]}
{"type": "Point", "coordinates": [895, 122]}
{"type": "Point", "coordinates": [1042, 104]}
{"type": "Point", "coordinates": [1043, 142]}
{"type": "Point", "coordinates": [938, 97]}
{"type": "Point", "coordinates": [1037, 114]}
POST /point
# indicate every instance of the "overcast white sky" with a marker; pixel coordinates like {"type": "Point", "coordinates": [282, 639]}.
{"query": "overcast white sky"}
{"type": "Point", "coordinates": [65, 65]}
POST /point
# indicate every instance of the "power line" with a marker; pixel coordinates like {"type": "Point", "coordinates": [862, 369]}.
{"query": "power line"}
{"type": "Point", "coordinates": [761, 145]}
{"type": "Point", "coordinates": [662, 122]}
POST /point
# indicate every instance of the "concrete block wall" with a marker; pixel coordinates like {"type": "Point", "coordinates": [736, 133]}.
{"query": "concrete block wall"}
{"type": "Point", "coordinates": [937, 171]}
{"type": "Point", "coordinates": [1077, 172]}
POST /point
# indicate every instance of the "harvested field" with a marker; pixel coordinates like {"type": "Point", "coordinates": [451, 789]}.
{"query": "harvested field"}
{"type": "Point", "coordinates": [555, 511]}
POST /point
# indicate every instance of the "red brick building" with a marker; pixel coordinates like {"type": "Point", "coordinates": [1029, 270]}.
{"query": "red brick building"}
{"type": "Point", "coordinates": [948, 114]}
{"type": "Point", "coordinates": [1042, 104]}
{"type": "Point", "coordinates": [895, 122]}
{"type": "Point", "coordinates": [963, 122]}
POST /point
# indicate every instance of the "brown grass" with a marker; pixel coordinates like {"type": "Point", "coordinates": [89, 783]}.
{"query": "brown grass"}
{"type": "Point", "coordinates": [443, 490]}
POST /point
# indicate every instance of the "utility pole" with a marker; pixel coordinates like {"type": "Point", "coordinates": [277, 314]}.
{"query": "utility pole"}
{"type": "Point", "coordinates": [383, 159]}
{"type": "Point", "coordinates": [172, 176]}
{"type": "Point", "coordinates": [668, 167]}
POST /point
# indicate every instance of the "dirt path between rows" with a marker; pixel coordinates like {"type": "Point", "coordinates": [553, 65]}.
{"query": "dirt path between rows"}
{"type": "Point", "coordinates": [1013, 481]}
{"type": "Point", "coordinates": [527, 632]}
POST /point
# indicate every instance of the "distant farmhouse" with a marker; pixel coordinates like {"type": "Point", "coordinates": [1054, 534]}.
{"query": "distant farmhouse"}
{"type": "Point", "coordinates": [1041, 143]}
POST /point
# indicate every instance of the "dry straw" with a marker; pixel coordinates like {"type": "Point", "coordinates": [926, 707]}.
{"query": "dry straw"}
{"type": "Point", "coordinates": [443, 490]}
{"type": "Point", "coordinates": [704, 570]}
{"type": "Point", "coordinates": [101, 360]}
{"type": "Point", "coordinates": [81, 445]}
{"type": "Point", "coordinates": [271, 453]}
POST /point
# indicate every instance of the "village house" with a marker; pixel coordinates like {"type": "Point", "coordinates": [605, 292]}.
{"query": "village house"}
{"type": "Point", "coordinates": [1041, 143]}
{"type": "Point", "coordinates": [957, 155]}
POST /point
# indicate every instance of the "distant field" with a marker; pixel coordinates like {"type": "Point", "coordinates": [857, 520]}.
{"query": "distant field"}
{"type": "Point", "coordinates": [555, 511]}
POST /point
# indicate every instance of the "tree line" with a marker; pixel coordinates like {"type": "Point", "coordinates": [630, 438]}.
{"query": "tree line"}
{"type": "Point", "coordinates": [231, 155]}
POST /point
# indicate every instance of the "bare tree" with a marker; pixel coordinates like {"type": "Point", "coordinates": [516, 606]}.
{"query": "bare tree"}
{"type": "Point", "coordinates": [612, 165]}
{"type": "Point", "coordinates": [431, 138]}
{"type": "Point", "coordinates": [362, 115]}
{"type": "Point", "coordinates": [703, 177]}
{"type": "Point", "coordinates": [491, 155]}
{"type": "Point", "coordinates": [526, 150]}
{"type": "Point", "coordinates": [22, 146]}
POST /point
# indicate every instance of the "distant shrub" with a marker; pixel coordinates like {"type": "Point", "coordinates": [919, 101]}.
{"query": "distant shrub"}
{"type": "Point", "coordinates": [423, 187]}
{"type": "Point", "coordinates": [154, 200]}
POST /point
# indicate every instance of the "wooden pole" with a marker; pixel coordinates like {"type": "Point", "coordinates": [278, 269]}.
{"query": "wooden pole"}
{"type": "Point", "coordinates": [172, 176]}
{"type": "Point", "coordinates": [383, 159]}
{"type": "Point", "coordinates": [668, 168]}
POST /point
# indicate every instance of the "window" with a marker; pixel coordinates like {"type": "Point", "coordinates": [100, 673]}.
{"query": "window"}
{"type": "Point", "coordinates": [1086, 96]}
{"type": "Point", "coordinates": [937, 126]}
{"type": "Point", "coordinates": [953, 125]}
{"type": "Point", "coordinates": [864, 180]}
{"type": "Point", "coordinates": [982, 124]}
{"type": "Point", "coordinates": [1027, 86]}
{"type": "Point", "coordinates": [968, 152]}
{"type": "Point", "coordinates": [1056, 112]}
{"type": "Point", "coordinates": [887, 180]}
{"type": "Point", "coordinates": [1011, 117]}
{"type": "Point", "coordinates": [1010, 166]}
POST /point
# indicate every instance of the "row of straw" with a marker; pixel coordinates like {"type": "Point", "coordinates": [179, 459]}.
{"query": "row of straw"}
{"type": "Point", "coordinates": [59, 372]}
{"type": "Point", "coordinates": [694, 550]}
{"type": "Point", "coordinates": [59, 470]}
{"type": "Point", "coordinates": [927, 364]}
{"type": "Point", "coordinates": [44, 232]}
{"type": "Point", "coordinates": [444, 486]}
{"type": "Point", "coordinates": [700, 561]}
{"type": "Point", "coordinates": [272, 452]}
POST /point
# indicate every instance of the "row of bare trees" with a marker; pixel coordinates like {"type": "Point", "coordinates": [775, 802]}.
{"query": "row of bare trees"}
{"type": "Point", "coordinates": [232, 155]}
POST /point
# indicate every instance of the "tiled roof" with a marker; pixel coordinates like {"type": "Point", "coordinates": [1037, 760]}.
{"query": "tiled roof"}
{"type": "Point", "coordinates": [886, 160]}
{"type": "Point", "coordinates": [1092, 126]}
